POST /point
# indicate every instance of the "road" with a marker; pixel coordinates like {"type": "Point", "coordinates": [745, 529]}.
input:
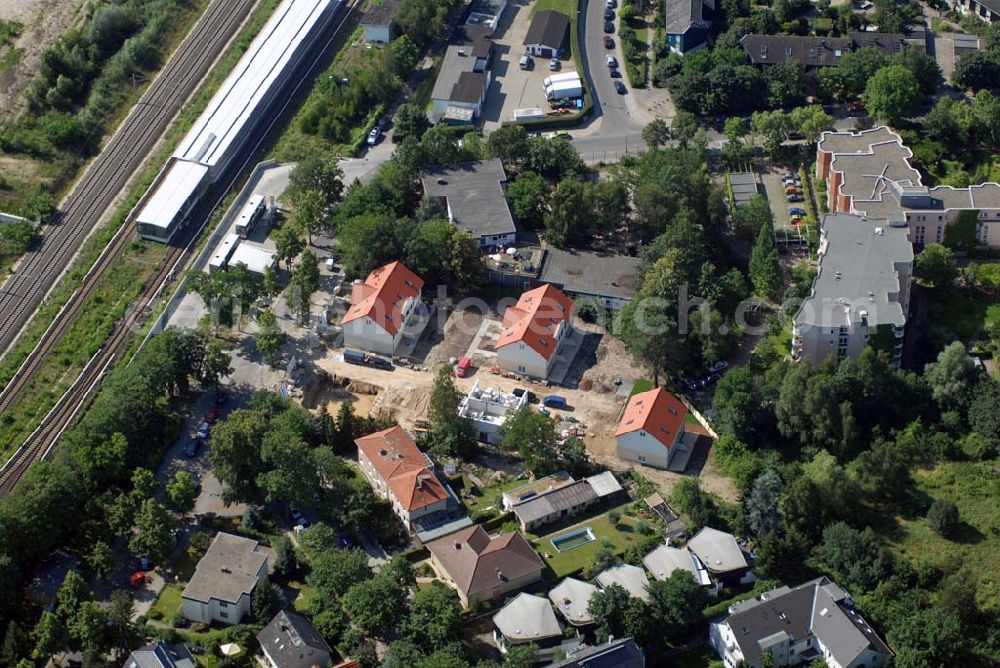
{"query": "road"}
{"type": "Point", "coordinates": [617, 132]}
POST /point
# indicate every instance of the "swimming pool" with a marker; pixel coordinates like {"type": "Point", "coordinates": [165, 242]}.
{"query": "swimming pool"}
{"type": "Point", "coordinates": [574, 538]}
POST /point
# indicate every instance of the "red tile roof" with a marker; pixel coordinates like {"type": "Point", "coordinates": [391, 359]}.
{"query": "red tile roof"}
{"type": "Point", "coordinates": [403, 468]}
{"type": "Point", "coordinates": [535, 319]}
{"type": "Point", "coordinates": [383, 295]}
{"type": "Point", "coordinates": [658, 412]}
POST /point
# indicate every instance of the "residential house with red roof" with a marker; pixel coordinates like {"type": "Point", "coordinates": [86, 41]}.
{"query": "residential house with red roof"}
{"type": "Point", "coordinates": [481, 568]}
{"type": "Point", "coordinates": [401, 473]}
{"type": "Point", "coordinates": [651, 431]}
{"type": "Point", "coordinates": [382, 307]}
{"type": "Point", "coordinates": [534, 331]}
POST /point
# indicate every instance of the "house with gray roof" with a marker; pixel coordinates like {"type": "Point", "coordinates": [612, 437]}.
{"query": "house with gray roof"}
{"type": "Point", "coordinates": [616, 653]}
{"type": "Point", "coordinates": [461, 83]}
{"type": "Point", "coordinates": [527, 619]}
{"type": "Point", "coordinates": [722, 556]}
{"type": "Point", "coordinates": [987, 11]}
{"type": "Point", "coordinates": [291, 641]}
{"type": "Point", "coordinates": [631, 578]}
{"type": "Point", "coordinates": [473, 195]}
{"type": "Point", "coordinates": [220, 589]}
{"type": "Point", "coordinates": [687, 24]}
{"type": "Point", "coordinates": [379, 21]}
{"type": "Point", "coordinates": [571, 598]}
{"type": "Point", "coordinates": [665, 560]}
{"type": "Point", "coordinates": [161, 655]}
{"type": "Point", "coordinates": [537, 505]}
{"type": "Point", "coordinates": [546, 34]}
{"type": "Point", "coordinates": [816, 620]}
{"type": "Point", "coordinates": [608, 279]}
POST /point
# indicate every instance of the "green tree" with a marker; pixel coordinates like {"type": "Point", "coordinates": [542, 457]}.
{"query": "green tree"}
{"type": "Point", "coordinates": [181, 492]}
{"type": "Point", "coordinates": [772, 128]}
{"type": "Point", "coordinates": [684, 127]}
{"type": "Point", "coordinates": [411, 121]}
{"type": "Point", "coordinates": [305, 281]}
{"type": "Point", "coordinates": [656, 133]}
{"type": "Point", "coordinates": [269, 287]}
{"type": "Point", "coordinates": [570, 218]}
{"type": "Point", "coordinates": [269, 337]}
{"type": "Point", "coordinates": [434, 617]}
{"type": "Point", "coordinates": [936, 265]}
{"type": "Point", "coordinates": [521, 656]}
{"type": "Point", "coordinates": [762, 504]}
{"type": "Point", "coordinates": [677, 604]}
{"type": "Point", "coordinates": [288, 242]}
{"type": "Point", "coordinates": [451, 433]}
{"type": "Point", "coordinates": [854, 559]}
{"type": "Point", "coordinates": [927, 637]}
{"type": "Point", "coordinates": [943, 517]}
{"type": "Point", "coordinates": [952, 377]}
{"type": "Point", "coordinates": [509, 143]}
{"type": "Point", "coordinates": [765, 270]}
{"type": "Point", "coordinates": [976, 70]}
{"type": "Point", "coordinates": [608, 198]}
{"type": "Point", "coordinates": [608, 608]}
{"type": "Point", "coordinates": [319, 175]}
{"type": "Point", "coordinates": [101, 560]}
{"type": "Point", "coordinates": [699, 505]}
{"type": "Point", "coordinates": [533, 436]}
{"type": "Point", "coordinates": [528, 195]}
{"type": "Point", "coordinates": [334, 572]}
{"type": "Point", "coordinates": [122, 632]}
{"type": "Point", "coordinates": [143, 484]}
{"type": "Point", "coordinates": [893, 93]}
{"type": "Point", "coordinates": [155, 531]}
{"type": "Point", "coordinates": [49, 636]}
{"type": "Point", "coordinates": [811, 121]}
{"type": "Point", "coordinates": [266, 601]}
{"type": "Point", "coordinates": [376, 606]}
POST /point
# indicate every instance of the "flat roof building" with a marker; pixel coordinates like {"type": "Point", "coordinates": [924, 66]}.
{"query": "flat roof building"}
{"type": "Point", "coordinates": [225, 577]}
{"type": "Point", "coordinates": [488, 410]}
{"type": "Point", "coordinates": [473, 195]}
{"type": "Point", "coordinates": [609, 279]}
{"type": "Point", "coordinates": [462, 81]}
{"type": "Point", "coordinates": [862, 287]}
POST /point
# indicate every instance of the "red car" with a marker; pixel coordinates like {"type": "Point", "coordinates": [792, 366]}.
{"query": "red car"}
{"type": "Point", "coordinates": [609, 42]}
{"type": "Point", "coordinates": [462, 369]}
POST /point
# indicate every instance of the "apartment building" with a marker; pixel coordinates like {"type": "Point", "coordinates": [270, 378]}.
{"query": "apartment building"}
{"type": "Point", "coordinates": [861, 294]}
{"type": "Point", "coordinates": [869, 174]}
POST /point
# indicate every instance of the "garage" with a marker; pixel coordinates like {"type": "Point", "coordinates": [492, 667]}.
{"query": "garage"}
{"type": "Point", "coordinates": [546, 34]}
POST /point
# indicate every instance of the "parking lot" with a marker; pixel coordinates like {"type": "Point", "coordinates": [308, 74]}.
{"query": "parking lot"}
{"type": "Point", "coordinates": [774, 190]}
{"type": "Point", "coordinates": [513, 88]}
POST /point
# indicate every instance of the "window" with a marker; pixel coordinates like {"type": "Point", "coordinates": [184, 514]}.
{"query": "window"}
{"type": "Point", "coordinates": [642, 459]}
{"type": "Point", "coordinates": [223, 614]}
{"type": "Point", "coordinates": [223, 604]}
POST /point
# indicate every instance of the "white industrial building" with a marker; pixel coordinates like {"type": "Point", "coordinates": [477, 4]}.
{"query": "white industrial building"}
{"type": "Point", "coordinates": [488, 409]}
{"type": "Point", "coordinates": [232, 114]}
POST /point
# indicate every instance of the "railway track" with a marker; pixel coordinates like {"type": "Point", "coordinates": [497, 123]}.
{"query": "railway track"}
{"type": "Point", "coordinates": [38, 445]}
{"type": "Point", "coordinates": [107, 175]}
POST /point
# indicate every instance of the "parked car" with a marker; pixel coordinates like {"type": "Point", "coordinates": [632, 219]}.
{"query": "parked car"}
{"type": "Point", "coordinates": [620, 88]}
{"type": "Point", "coordinates": [792, 182]}
{"type": "Point", "coordinates": [690, 384]}
{"type": "Point", "coordinates": [528, 394]}
{"type": "Point", "coordinates": [796, 211]}
{"type": "Point", "coordinates": [609, 27]}
{"type": "Point", "coordinates": [374, 135]}
{"type": "Point", "coordinates": [705, 381]}
{"type": "Point", "coordinates": [463, 366]}
{"type": "Point", "coordinates": [795, 222]}
{"type": "Point", "coordinates": [554, 401]}
{"type": "Point", "coordinates": [792, 189]}
{"type": "Point", "coordinates": [611, 61]}
{"type": "Point", "coordinates": [609, 42]}
{"type": "Point", "coordinates": [787, 175]}
{"type": "Point", "coordinates": [554, 65]}
{"type": "Point", "coordinates": [361, 358]}
{"type": "Point", "coordinates": [525, 62]}
{"type": "Point", "coordinates": [615, 74]}
{"type": "Point", "coordinates": [203, 430]}
{"type": "Point", "coordinates": [721, 365]}
{"type": "Point", "coordinates": [191, 449]}
{"type": "Point", "coordinates": [609, 15]}
{"type": "Point", "coordinates": [610, 4]}
{"type": "Point", "coordinates": [795, 197]}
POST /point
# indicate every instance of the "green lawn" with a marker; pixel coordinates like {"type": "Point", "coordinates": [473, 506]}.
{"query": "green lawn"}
{"type": "Point", "coordinates": [301, 603]}
{"type": "Point", "coordinates": [491, 495]}
{"type": "Point", "coordinates": [571, 561]}
{"type": "Point", "coordinates": [641, 385]}
{"type": "Point", "coordinates": [167, 604]}
{"type": "Point", "coordinates": [975, 488]}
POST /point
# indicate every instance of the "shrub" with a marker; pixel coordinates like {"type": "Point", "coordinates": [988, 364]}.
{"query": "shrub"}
{"type": "Point", "coordinates": [943, 517]}
{"type": "Point", "coordinates": [615, 518]}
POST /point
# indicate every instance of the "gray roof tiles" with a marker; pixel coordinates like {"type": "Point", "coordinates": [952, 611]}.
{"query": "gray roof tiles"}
{"type": "Point", "coordinates": [527, 618]}
{"type": "Point", "coordinates": [591, 273]}
{"type": "Point", "coordinates": [620, 653]}
{"type": "Point", "coordinates": [572, 598]}
{"type": "Point", "coordinates": [228, 570]}
{"type": "Point", "coordinates": [564, 498]}
{"type": "Point", "coordinates": [293, 642]}
{"type": "Point", "coordinates": [475, 196]}
{"type": "Point", "coordinates": [717, 550]}
{"type": "Point", "coordinates": [680, 15]}
{"type": "Point", "coordinates": [548, 28]}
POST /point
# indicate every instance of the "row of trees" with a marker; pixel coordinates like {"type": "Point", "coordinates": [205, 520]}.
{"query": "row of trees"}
{"type": "Point", "coordinates": [99, 489]}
